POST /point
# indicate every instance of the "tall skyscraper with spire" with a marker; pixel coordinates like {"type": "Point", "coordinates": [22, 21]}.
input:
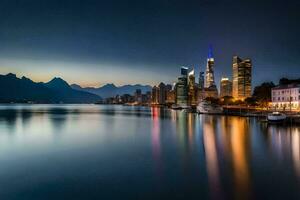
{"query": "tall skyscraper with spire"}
{"type": "Point", "coordinates": [210, 86]}
{"type": "Point", "coordinates": [209, 73]}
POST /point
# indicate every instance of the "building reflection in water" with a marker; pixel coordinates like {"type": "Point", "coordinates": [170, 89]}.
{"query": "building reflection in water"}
{"type": "Point", "coordinates": [240, 145]}
{"type": "Point", "coordinates": [229, 143]}
{"type": "Point", "coordinates": [155, 137]}
{"type": "Point", "coordinates": [285, 144]}
{"type": "Point", "coordinates": [211, 155]}
{"type": "Point", "coordinates": [296, 150]}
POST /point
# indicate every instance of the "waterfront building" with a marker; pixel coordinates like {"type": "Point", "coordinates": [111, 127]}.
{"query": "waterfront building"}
{"type": "Point", "coordinates": [127, 98]}
{"type": "Point", "coordinates": [225, 87]}
{"type": "Point", "coordinates": [170, 97]}
{"type": "Point", "coordinates": [192, 89]}
{"type": "Point", "coordinates": [155, 95]}
{"type": "Point", "coordinates": [182, 88]}
{"type": "Point", "coordinates": [138, 96]}
{"type": "Point", "coordinates": [146, 98]}
{"type": "Point", "coordinates": [170, 94]}
{"type": "Point", "coordinates": [286, 97]}
{"type": "Point", "coordinates": [162, 93]}
{"type": "Point", "coordinates": [211, 91]}
{"type": "Point", "coordinates": [241, 79]}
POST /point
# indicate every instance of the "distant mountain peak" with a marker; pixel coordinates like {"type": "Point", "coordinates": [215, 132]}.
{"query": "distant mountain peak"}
{"type": "Point", "coordinates": [110, 84]}
{"type": "Point", "coordinates": [11, 75]}
{"type": "Point", "coordinates": [76, 86]}
{"type": "Point", "coordinates": [58, 83]}
{"type": "Point", "coordinates": [111, 90]}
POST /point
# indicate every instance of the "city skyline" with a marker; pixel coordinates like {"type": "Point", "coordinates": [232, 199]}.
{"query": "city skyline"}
{"type": "Point", "coordinates": [93, 43]}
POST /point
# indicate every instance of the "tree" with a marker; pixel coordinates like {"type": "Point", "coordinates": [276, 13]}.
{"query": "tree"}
{"type": "Point", "coordinates": [286, 81]}
{"type": "Point", "coordinates": [213, 100]}
{"type": "Point", "coordinates": [227, 100]}
{"type": "Point", "coordinates": [251, 101]}
{"type": "Point", "coordinates": [262, 93]}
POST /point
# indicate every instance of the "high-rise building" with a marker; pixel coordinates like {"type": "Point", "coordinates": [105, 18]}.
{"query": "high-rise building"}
{"type": "Point", "coordinates": [162, 93]}
{"type": "Point", "coordinates": [209, 73]}
{"type": "Point", "coordinates": [241, 79]}
{"type": "Point", "coordinates": [201, 80]}
{"type": "Point", "coordinates": [192, 91]}
{"type": "Point", "coordinates": [138, 95]}
{"type": "Point", "coordinates": [155, 95]}
{"type": "Point", "coordinates": [184, 71]}
{"type": "Point", "coordinates": [225, 87]}
{"type": "Point", "coordinates": [201, 86]}
{"type": "Point", "coordinates": [210, 89]}
{"type": "Point", "coordinates": [170, 94]}
{"type": "Point", "coordinates": [182, 88]}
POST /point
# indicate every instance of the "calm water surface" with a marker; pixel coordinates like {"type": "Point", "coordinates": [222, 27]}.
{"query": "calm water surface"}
{"type": "Point", "coordinates": [119, 152]}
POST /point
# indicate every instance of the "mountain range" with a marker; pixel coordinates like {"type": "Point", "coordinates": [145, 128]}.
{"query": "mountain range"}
{"type": "Point", "coordinates": [110, 90]}
{"type": "Point", "coordinates": [22, 90]}
{"type": "Point", "coordinates": [14, 89]}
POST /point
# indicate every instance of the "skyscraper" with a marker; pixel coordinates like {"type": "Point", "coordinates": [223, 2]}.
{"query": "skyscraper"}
{"type": "Point", "coordinates": [201, 87]}
{"type": "Point", "coordinates": [182, 88]}
{"type": "Point", "coordinates": [184, 71]}
{"type": "Point", "coordinates": [170, 94]}
{"type": "Point", "coordinates": [192, 91]}
{"type": "Point", "coordinates": [225, 87]}
{"type": "Point", "coordinates": [210, 89]}
{"type": "Point", "coordinates": [201, 80]}
{"type": "Point", "coordinates": [162, 93]}
{"type": "Point", "coordinates": [138, 95]}
{"type": "Point", "coordinates": [155, 95]}
{"type": "Point", "coordinates": [241, 78]}
{"type": "Point", "coordinates": [209, 73]}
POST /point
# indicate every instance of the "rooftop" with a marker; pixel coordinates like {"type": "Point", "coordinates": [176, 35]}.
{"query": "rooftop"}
{"type": "Point", "coordinates": [288, 86]}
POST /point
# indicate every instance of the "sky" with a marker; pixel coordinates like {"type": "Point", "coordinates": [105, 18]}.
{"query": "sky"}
{"type": "Point", "coordinates": [126, 42]}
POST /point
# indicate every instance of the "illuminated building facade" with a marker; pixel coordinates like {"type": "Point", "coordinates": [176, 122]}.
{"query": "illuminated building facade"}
{"type": "Point", "coordinates": [200, 93]}
{"type": "Point", "coordinates": [209, 73]}
{"type": "Point", "coordinates": [242, 76]}
{"type": "Point", "coordinates": [162, 94]}
{"type": "Point", "coordinates": [211, 92]}
{"type": "Point", "coordinates": [225, 87]}
{"type": "Point", "coordinates": [192, 89]}
{"type": "Point", "coordinates": [155, 95]}
{"type": "Point", "coordinates": [286, 97]}
{"type": "Point", "coordinates": [210, 89]}
{"type": "Point", "coordinates": [182, 88]}
{"type": "Point", "coordinates": [170, 94]}
{"type": "Point", "coordinates": [138, 95]}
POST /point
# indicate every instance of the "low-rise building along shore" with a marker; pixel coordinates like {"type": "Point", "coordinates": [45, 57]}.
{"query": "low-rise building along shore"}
{"type": "Point", "coordinates": [286, 97]}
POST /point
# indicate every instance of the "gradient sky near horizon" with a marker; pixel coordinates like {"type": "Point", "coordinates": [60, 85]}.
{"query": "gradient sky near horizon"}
{"type": "Point", "coordinates": [95, 42]}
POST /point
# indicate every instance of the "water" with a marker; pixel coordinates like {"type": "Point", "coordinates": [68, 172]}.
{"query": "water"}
{"type": "Point", "coordinates": [119, 152]}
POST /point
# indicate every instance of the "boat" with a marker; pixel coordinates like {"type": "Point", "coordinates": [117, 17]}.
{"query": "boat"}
{"type": "Point", "coordinates": [276, 117]}
{"type": "Point", "coordinates": [206, 107]}
{"type": "Point", "coordinates": [175, 107]}
{"type": "Point", "coordinates": [180, 107]}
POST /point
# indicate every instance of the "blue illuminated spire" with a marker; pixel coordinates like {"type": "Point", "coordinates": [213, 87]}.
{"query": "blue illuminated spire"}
{"type": "Point", "coordinates": [210, 53]}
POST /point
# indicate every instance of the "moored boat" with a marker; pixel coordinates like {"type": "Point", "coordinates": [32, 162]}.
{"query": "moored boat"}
{"type": "Point", "coordinates": [206, 107]}
{"type": "Point", "coordinates": [276, 117]}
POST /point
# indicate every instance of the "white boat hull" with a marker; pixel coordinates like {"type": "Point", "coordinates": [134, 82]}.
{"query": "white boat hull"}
{"type": "Point", "coordinates": [208, 108]}
{"type": "Point", "coordinates": [276, 118]}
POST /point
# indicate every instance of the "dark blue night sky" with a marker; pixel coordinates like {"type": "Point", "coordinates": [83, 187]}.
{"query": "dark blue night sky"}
{"type": "Point", "coordinates": [95, 42]}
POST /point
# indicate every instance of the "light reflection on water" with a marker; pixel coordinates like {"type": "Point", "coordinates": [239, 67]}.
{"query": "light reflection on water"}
{"type": "Point", "coordinates": [113, 152]}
